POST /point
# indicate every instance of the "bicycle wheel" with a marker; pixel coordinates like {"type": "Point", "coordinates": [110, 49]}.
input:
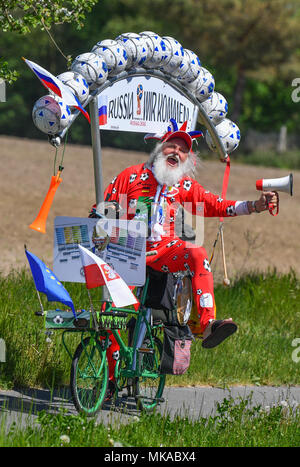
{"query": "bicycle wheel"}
{"type": "Point", "coordinates": [149, 389]}
{"type": "Point", "coordinates": [89, 376]}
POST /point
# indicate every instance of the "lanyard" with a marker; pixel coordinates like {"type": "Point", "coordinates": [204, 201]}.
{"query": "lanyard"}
{"type": "Point", "coordinates": [157, 218]}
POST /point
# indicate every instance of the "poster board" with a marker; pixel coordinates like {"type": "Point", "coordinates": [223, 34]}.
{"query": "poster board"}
{"type": "Point", "coordinates": [124, 245]}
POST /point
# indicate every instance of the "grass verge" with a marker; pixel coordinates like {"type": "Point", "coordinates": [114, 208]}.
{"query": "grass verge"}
{"type": "Point", "coordinates": [235, 424]}
{"type": "Point", "coordinates": [265, 306]}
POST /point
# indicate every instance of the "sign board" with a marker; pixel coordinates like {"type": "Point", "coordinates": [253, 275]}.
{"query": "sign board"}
{"type": "Point", "coordinates": [120, 243]}
{"type": "Point", "coordinates": [143, 104]}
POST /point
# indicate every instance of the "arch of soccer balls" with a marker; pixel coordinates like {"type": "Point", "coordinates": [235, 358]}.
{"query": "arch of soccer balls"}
{"type": "Point", "coordinates": [149, 51]}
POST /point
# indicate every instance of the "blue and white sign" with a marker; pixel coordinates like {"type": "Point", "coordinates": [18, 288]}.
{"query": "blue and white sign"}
{"type": "Point", "coordinates": [143, 104]}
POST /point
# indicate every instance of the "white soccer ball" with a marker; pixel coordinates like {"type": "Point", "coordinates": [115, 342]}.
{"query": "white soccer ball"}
{"type": "Point", "coordinates": [156, 49]}
{"type": "Point", "coordinates": [136, 48]}
{"type": "Point", "coordinates": [114, 54]}
{"type": "Point", "coordinates": [76, 83]}
{"type": "Point", "coordinates": [203, 86]}
{"type": "Point", "coordinates": [181, 71]}
{"type": "Point", "coordinates": [191, 67]}
{"type": "Point", "coordinates": [92, 67]}
{"type": "Point", "coordinates": [58, 319]}
{"type": "Point", "coordinates": [50, 114]}
{"type": "Point", "coordinates": [229, 134]}
{"type": "Point", "coordinates": [216, 107]}
{"type": "Point", "coordinates": [174, 55]}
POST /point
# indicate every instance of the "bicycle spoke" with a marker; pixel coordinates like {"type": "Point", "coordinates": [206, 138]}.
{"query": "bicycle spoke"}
{"type": "Point", "coordinates": [89, 376]}
{"type": "Point", "coordinates": [150, 385]}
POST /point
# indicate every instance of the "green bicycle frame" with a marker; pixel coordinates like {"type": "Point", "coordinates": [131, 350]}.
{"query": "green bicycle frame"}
{"type": "Point", "coordinates": [127, 353]}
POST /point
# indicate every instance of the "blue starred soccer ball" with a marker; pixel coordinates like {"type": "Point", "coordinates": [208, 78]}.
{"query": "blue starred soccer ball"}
{"type": "Point", "coordinates": [113, 53]}
{"type": "Point", "coordinates": [173, 55]}
{"type": "Point", "coordinates": [190, 67]}
{"type": "Point", "coordinates": [216, 107]}
{"type": "Point", "coordinates": [50, 114]}
{"type": "Point", "coordinates": [229, 133]}
{"type": "Point", "coordinates": [156, 49]}
{"type": "Point", "coordinates": [77, 84]}
{"type": "Point", "coordinates": [92, 67]}
{"type": "Point", "coordinates": [203, 86]}
{"type": "Point", "coordinates": [136, 48]}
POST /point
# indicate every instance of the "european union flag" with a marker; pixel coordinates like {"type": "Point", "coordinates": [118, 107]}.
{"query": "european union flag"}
{"type": "Point", "coordinates": [47, 283]}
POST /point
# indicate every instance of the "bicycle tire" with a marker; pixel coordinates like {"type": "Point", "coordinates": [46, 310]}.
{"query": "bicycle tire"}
{"type": "Point", "coordinates": [89, 376]}
{"type": "Point", "coordinates": [148, 391]}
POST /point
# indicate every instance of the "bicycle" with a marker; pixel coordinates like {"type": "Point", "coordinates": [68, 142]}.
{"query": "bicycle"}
{"type": "Point", "coordinates": [138, 368]}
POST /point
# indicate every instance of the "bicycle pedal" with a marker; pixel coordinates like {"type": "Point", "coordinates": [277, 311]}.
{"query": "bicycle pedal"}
{"type": "Point", "coordinates": [160, 399]}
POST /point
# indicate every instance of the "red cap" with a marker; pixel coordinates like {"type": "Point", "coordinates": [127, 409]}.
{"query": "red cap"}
{"type": "Point", "coordinates": [259, 184]}
{"type": "Point", "coordinates": [179, 134]}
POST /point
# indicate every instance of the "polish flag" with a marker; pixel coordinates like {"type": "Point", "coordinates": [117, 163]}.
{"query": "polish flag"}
{"type": "Point", "coordinates": [98, 273]}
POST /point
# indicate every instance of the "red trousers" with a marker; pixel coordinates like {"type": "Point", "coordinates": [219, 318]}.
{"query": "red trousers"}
{"type": "Point", "coordinates": [172, 256]}
{"type": "Point", "coordinates": [178, 255]}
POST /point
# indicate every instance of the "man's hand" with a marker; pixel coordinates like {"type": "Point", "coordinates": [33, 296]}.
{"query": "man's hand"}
{"type": "Point", "coordinates": [267, 197]}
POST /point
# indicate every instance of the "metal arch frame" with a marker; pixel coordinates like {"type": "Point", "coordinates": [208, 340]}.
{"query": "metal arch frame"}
{"type": "Point", "coordinates": [201, 116]}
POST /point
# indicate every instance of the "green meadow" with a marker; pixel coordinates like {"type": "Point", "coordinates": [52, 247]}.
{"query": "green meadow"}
{"type": "Point", "coordinates": [265, 306]}
{"type": "Point", "coordinates": [264, 351]}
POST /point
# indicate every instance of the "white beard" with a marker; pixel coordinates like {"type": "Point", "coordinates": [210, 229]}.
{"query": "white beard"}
{"type": "Point", "coordinates": [168, 175]}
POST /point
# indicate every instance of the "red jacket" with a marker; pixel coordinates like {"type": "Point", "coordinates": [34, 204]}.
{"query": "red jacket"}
{"type": "Point", "coordinates": [137, 183]}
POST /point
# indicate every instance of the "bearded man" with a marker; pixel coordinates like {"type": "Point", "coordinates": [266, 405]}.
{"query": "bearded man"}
{"type": "Point", "coordinates": [167, 180]}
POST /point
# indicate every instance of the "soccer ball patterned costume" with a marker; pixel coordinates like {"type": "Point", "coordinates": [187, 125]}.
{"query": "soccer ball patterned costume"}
{"type": "Point", "coordinates": [137, 184]}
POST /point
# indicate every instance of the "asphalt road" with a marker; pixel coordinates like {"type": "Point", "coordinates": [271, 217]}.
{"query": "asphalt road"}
{"type": "Point", "coordinates": [22, 406]}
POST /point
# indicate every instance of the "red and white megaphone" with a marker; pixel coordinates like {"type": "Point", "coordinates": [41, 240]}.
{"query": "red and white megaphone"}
{"type": "Point", "coordinates": [276, 184]}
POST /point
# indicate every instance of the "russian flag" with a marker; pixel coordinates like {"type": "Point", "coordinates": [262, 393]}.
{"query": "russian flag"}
{"type": "Point", "coordinates": [102, 103]}
{"type": "Point", "coordinates": [97, 272]}
{"type": "Point", "coordinates": [56, 86]}
{"type": "Point", "coordinates": [82, 110]}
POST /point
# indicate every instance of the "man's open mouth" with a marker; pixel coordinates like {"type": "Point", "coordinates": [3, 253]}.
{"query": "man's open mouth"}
{"type": "Point", "coordinates": [172, 161]}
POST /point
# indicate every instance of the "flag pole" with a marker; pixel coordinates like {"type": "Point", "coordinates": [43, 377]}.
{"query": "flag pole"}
{"type": "Point", "coordinates": [37, 292]}
{"type": "Point", "coordinates": [97, 158]}
{"type": "Point", "coordinates": [40, 301]}
{"type": "Point", "coordinates": [93, 312]}
{"type": "Point", "coordinates": [97, 153]}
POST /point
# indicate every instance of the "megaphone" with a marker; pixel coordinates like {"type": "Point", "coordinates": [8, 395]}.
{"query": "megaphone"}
{"type": "Point", "coordinates": [39, 224]}
{"type": "Point", "coordinates": [276, 184]}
